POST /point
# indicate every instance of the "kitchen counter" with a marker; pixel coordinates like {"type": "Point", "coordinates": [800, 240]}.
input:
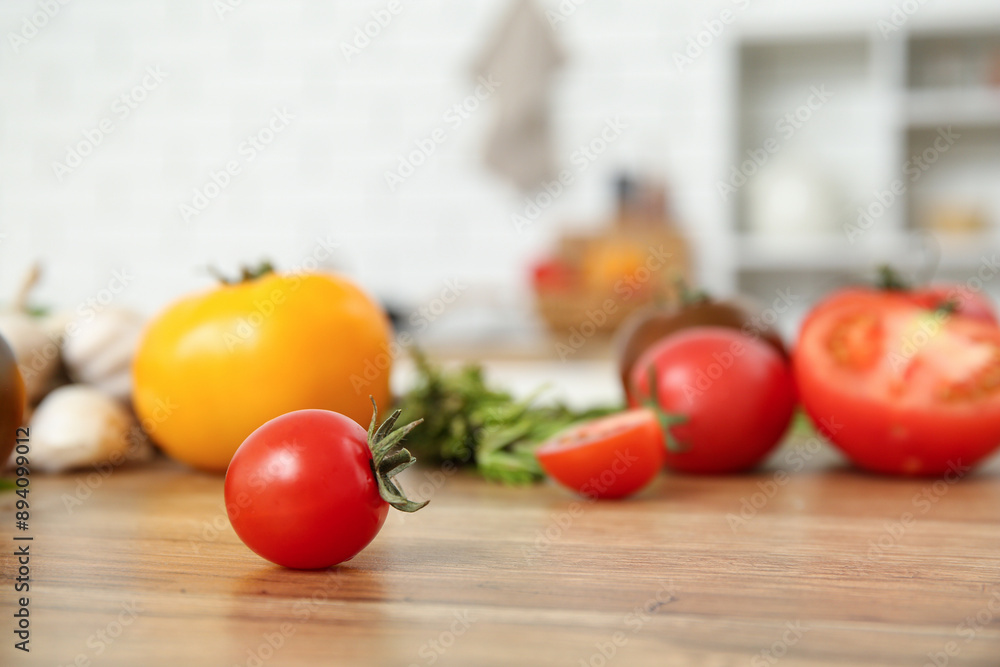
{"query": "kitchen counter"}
{"type": "Point", "coordinates": [823, 567]}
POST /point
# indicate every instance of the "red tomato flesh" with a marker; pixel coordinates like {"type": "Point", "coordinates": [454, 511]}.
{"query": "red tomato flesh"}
{"type": "Point", "coordinates": [899, 388]}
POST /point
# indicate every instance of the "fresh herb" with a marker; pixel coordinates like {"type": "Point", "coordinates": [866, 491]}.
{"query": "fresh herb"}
{"type": "Point", "coordinates": [469, 423]}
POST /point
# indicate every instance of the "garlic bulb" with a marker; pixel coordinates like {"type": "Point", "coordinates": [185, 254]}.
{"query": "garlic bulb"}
{"type": "Point", "coordinates": [77, 426]}
{"type": "Point", "coordinates": [98, 350]}
{"type": "Point", "coordinates": [37, 354]}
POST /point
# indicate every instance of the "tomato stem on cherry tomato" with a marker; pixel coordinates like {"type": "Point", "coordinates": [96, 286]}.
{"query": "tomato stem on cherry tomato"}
{"type": "Point", "coordinates": [666, 419]}
{"type": "Point", "coordinates": [386, 464]}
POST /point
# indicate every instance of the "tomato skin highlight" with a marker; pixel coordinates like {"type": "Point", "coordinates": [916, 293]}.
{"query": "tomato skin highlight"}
{"type": "Point", "coordinates": [610, 457]}
{"type": "Point", "coordinates": [736, 393]}
{"type": "Point", "coordinates": [899, 388]}
{"type": "Point", "coordinates": [300, 491]}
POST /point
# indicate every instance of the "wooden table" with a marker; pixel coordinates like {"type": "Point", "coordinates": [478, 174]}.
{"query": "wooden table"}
{"type": "Point", "coordinates": [827, 570]}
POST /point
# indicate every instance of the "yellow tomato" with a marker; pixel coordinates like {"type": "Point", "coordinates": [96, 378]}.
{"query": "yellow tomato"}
{"type": "Point", "coordinates": [606, 264]}
{"type": "Point", "coordinates": [216, 365]}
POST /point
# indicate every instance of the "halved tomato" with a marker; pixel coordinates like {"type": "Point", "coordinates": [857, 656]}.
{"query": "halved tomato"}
{"type": "Point", "coordinates": [610, 457]}
{"type": "Point", "coordinates": [899, 388]}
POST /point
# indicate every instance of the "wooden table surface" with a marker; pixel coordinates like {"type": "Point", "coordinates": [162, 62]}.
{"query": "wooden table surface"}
{"type": "Point", "coordinates": [832, 568]}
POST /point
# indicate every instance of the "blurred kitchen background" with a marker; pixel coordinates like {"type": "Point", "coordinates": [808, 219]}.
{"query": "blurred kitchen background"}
{"type": "Point", "coordinates": [495, 171]}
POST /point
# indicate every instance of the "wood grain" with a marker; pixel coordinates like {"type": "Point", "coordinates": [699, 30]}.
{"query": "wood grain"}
{"type": "Point", "coordinates": [488, 575]}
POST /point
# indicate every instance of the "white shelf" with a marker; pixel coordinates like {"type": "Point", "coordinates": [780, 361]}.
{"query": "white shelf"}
{"type": "Point", "coordinates": [960, 252]}
{"type": "Point", "coordinates": [833, 252]}
{"type": "Point", "coordinates": [863, 140]}
{"type": "Point", "coordinates": [940, 107]}
{"type": "Point", "coordinates": [765, 252]}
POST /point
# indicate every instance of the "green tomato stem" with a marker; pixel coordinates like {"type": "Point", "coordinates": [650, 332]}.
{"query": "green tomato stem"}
{"type": "Point", "coordinates": [386, 463]}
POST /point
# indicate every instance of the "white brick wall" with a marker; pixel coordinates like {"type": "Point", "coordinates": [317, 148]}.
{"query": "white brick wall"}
{"type": "Point", "coordinates": [324, 173]}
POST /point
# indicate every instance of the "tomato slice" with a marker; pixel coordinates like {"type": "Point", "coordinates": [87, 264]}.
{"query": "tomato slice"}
{"type": "Point", "coordinates": [609, 457]}
{"type": "Point", "coordinates": [899, 388]}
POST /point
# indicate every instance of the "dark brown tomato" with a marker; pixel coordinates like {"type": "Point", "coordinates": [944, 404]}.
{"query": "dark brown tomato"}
{"type": "Point", "coordinates": [11, 401]}
{"type": "Point", "coordinates": [647, 326]}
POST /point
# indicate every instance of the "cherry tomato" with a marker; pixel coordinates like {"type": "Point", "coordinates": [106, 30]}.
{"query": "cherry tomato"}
{"type": "Point", "coordinates": [730, 397]}
{"type": "Point", "coordinates": [11, 401]}
{"type": "Point", "coordinates": [311, 489]}
{"type": "Point", "coordinates": [610, 457]}
{"type": "Point", "coordinates": [553, 275]}
{"type": "Point", "coordinates": [899, 388]}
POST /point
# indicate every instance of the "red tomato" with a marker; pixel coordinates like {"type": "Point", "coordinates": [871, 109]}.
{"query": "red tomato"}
{"type": "Point", "coordinates": [301, 491]}
{"type": "Point", "coordinates": [553, 275]}
{"type": "Point", "coordinates": [899, 388]}
{"type": "Point", "coordinates": [732, 397]}
{"type": "Point", "coordinates": [610, 457]}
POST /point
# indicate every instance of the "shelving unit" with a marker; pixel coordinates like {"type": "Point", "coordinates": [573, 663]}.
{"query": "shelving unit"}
{"type": "Point", "coordinates": [934, 107]}
{"type": "Point", "coordinates": [890, 97]}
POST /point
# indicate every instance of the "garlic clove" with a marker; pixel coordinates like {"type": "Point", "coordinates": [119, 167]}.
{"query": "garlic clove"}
{"type": "Point", "coordinates": [37, 355]}
{"type": "Point", "coordinates": [78, 426]}
{"type": "Point", "coordinates": [99, 350]}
